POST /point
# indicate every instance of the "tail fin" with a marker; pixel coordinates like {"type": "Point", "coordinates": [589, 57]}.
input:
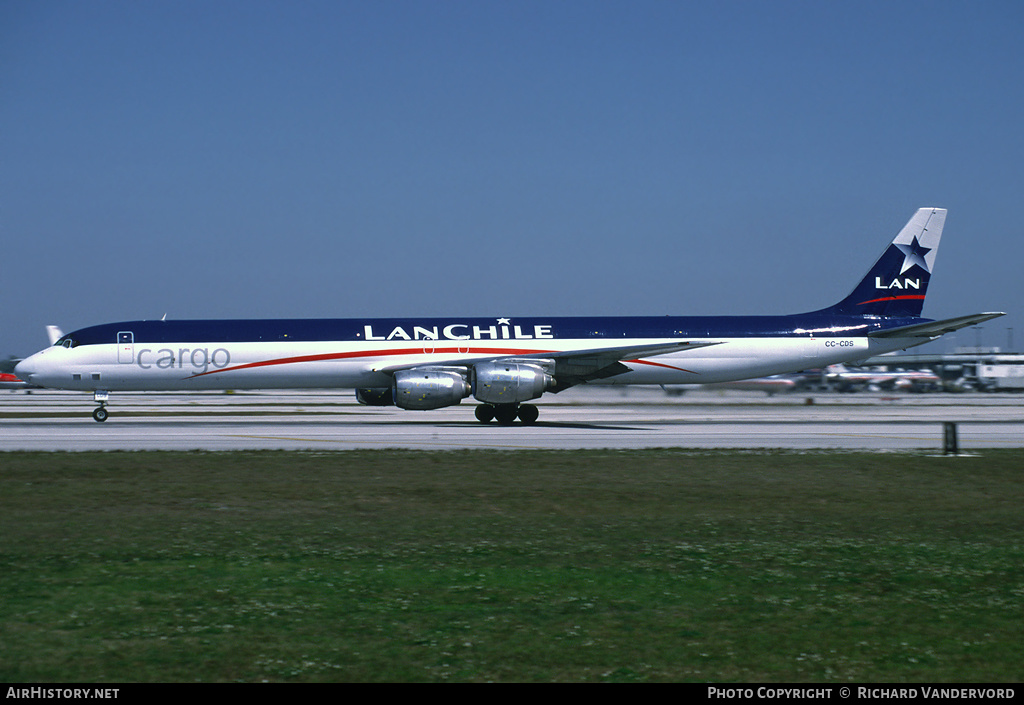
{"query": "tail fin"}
{"type": "Point", "coordinates": [54, 334]}
{"type": "Point", "coordinates": [897, 284]}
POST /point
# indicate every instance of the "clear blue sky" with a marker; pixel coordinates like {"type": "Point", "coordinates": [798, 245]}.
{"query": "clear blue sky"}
{"type": "Point", "coordinates": [390, 158]}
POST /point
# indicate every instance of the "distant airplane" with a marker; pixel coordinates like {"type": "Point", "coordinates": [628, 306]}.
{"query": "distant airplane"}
{"type": "Point", "coordinates": [769, 385]}
{"type": "Point", "coordinates": [54, 334]}
{"type": "Point", "coordinates": [504, 362]}
{"type": "Point", "coordinates": [9, 381]}
{"type": "Point", "coordinates": [846, 379]}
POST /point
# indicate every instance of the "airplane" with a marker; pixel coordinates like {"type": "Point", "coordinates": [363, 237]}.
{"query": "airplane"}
{"type": "Point", "coordinates": [846, 379]}
{"type": "Point", "coordinates": [9, 381]}
{"type": "Point", "coordinates": [771, 385]}
{"type": "Point", "coordinates": [503, 362]}
{"type": "Point", "coordinates": [54, 334]}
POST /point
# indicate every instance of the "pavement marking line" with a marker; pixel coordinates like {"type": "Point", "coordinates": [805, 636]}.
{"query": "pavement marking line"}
{"type": "Point", "coordinates": [379, 444]}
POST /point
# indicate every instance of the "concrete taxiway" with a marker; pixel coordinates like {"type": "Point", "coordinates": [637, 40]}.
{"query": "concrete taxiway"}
{"type": "Point", "coordinates": [634, 417]}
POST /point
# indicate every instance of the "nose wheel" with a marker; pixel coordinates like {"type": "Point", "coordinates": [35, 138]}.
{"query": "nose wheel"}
{"type": "Point", "coordinates": [100, 412]}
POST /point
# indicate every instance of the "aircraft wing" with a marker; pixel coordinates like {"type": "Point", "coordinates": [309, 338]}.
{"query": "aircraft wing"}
{"type": "Point", "coordinates": [576, 366]}
{"type": "Point", "coordinates": [933, 329]}
{"type": "Point", "coordinates": [571, 366]}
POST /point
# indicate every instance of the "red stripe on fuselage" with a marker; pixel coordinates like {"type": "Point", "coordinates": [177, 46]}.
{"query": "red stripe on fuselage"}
{"type": "Point", "coordinates": [662, 364]}
{"type": "Point", "coordinates": [893, 298]}
{"type": "Point", "coordinates": [372, 353]}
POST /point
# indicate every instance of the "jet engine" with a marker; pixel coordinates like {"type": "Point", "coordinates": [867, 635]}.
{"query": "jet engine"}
{"type": "Point", "coordinates": [430, 388]}
{"type": "Point", "coordinates": [509, 382]}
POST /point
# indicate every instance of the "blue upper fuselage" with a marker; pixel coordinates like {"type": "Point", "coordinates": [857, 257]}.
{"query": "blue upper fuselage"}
{"type": "Point", "coordinates": [599, 327]}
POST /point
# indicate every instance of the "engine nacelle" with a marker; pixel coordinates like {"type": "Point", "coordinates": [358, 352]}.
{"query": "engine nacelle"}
{"type": "Point", "coordinates": [428, 388]}
{"type": "Point", "coordinates": [378, 396]}
{"type": "Point", "coordinates": [505, 382]}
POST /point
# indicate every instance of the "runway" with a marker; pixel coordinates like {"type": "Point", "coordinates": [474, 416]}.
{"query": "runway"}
{"type": "Point", "coordinates": [635, 417]}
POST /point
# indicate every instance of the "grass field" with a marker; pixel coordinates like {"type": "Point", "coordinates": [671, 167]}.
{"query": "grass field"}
{"type": "Point", "coordinates": [517, 566]}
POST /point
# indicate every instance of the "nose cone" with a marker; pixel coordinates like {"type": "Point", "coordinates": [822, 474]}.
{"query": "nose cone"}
{"type": "Point", "coordinates": [34, 369]}
{"type": "Point", "coordinates": [24, 370]}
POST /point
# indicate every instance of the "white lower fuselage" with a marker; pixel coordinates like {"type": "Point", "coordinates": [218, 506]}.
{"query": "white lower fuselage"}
{"type": "Point", "coordinates": [362, 364]}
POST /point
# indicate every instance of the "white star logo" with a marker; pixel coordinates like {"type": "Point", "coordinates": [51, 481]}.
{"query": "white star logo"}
{"type": "Point", "coordinates": [914, 254]}
{"type": "Point", "coordinates": [503, 321]}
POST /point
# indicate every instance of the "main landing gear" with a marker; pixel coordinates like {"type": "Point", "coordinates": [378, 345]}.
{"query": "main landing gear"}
{"type": "Point", "coordinates": [100, 412]}
{"type": "Point", "coordinates": [506, 414]}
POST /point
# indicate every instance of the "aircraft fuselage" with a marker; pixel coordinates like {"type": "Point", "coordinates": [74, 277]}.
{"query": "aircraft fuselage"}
{"type": "Point", "coordinates": [352, 353]}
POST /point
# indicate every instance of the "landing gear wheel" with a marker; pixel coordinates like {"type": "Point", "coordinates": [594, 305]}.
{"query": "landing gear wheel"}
{"type": "Point", "coordinates": [100, 414]}
{"type": "Point", "coordinates": [506, 414]}
{"type": "Point", "coordinates": [484, 413]}
{"type": "Point", "coordinates": [528, 413]}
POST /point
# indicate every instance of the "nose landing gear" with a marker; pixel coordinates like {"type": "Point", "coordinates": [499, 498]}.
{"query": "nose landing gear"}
{"type": "Point", "coordinates": [100, 412]}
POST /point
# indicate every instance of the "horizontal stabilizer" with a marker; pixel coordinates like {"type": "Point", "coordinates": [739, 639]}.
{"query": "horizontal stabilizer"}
{"type": "Point", "coordinates": [933, 329]}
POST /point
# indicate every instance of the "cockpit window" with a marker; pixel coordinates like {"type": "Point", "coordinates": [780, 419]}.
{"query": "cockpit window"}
{"type": "Point", "coordinates": [67, 342]}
